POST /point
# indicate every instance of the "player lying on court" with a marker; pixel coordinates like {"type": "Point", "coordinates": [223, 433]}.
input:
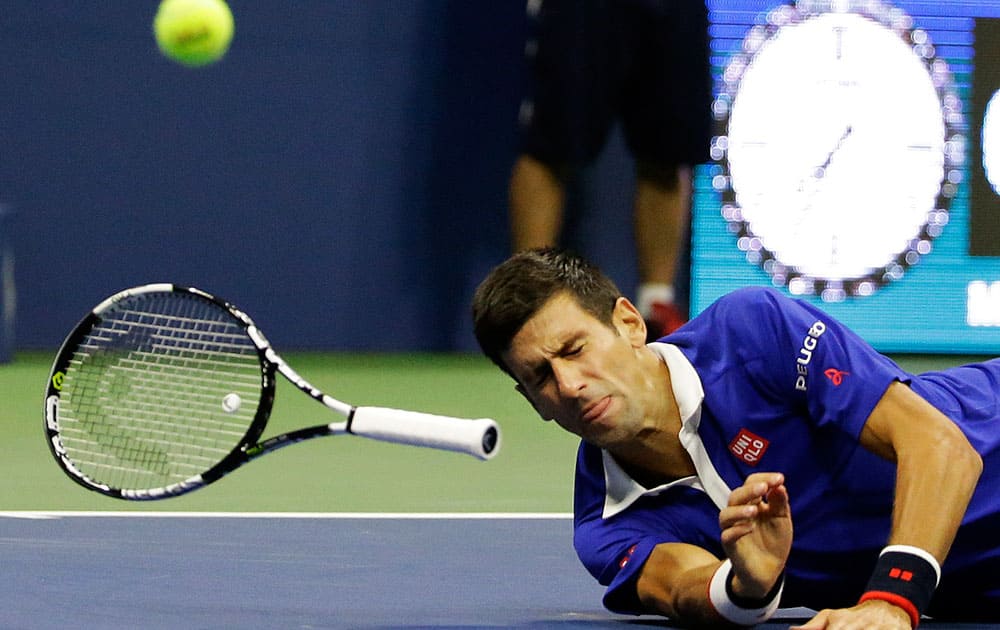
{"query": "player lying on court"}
{"type": "Point", "coordinates": [699, 451]}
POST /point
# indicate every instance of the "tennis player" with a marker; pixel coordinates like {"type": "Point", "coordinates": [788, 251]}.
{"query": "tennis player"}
{"type": "Point", "coordinates": [700, 451]}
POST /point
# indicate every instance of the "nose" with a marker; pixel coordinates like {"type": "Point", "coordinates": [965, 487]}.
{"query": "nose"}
{"type": "Point", "coordinates": [569, 379]}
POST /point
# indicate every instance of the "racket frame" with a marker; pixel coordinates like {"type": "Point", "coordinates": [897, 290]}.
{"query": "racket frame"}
{"type": "Point", "coordinates": [236, 457]}
{"type": "Point", "coordinates": [247, 448]}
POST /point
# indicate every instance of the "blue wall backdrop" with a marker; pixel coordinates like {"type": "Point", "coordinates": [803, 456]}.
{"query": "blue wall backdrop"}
{"type": "Point", "coordinates": [341, 174]}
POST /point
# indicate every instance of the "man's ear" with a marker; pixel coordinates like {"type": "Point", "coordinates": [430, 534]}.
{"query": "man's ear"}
{"type": "Point", "coordinates": [629, 322]}
{"type": "Point", "coordinates": [523, 392]}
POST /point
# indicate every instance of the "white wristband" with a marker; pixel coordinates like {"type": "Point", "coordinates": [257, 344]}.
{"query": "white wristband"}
{"type": "Point", "coordinates": [728, 610]}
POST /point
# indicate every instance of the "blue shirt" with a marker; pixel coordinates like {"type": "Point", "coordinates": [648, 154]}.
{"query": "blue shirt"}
{"type": "Point", "coordinates": [766, 383]}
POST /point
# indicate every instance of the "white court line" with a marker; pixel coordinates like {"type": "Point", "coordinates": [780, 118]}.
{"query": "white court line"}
{"type": "Point", "coordinates": [42, 515]}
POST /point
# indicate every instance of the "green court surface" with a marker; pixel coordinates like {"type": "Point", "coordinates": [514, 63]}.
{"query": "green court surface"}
{"type": "Point", "coordinates": [532, 473]}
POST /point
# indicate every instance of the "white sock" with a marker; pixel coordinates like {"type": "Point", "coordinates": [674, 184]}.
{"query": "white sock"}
{"type": "Point", "coordinates": [653, 292]}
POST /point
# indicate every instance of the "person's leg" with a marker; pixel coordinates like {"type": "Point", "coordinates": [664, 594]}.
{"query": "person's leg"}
{"type": "Point", "coordinates": [537, 199]}
{"type": "Point", "coordinates": [667, 120]}
{"type": "Point", "coordinates": [564, 118]}
{"type": "Point", "coordinates": [662, 208]}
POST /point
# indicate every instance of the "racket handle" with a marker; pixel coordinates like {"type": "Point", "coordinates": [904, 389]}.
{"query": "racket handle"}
{"type": "Point", "coordinates": [480, 438]}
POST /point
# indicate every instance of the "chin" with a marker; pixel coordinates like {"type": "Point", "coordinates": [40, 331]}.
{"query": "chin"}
{"type": "Point", "coordinates": [604, 438]}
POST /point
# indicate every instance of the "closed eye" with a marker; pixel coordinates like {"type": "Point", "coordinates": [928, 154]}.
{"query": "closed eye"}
{"type": "Point", "coordinates": [540, 376]}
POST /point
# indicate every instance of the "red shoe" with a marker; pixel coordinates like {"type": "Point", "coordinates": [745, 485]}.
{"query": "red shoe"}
{"type": "Point", "coordinates": [663, 320]}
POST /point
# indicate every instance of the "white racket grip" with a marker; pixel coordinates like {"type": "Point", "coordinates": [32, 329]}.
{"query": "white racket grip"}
{"type": "Point", "coordinates": [480, 438]}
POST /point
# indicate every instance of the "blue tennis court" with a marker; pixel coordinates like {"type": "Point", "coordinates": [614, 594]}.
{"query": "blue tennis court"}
{"type": "Point", "coordinates": [206, 571]}
{"type": "Point", "coordinates": [168, 571]}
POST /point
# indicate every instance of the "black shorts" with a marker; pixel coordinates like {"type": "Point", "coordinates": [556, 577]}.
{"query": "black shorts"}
{"type": "Point", "coordinates": [643, 62]}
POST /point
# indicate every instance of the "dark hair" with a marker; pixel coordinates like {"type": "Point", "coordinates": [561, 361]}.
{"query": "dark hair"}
{"type": "Point", "coordinates": [516, 289]}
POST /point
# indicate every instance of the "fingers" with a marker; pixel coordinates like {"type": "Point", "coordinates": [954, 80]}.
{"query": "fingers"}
{"type": "Point", "coordinates": [736, 521]}
{"type": "Point", "coordinates": [739, 520]}
{"type": "Point", "coordinates": [816, 623]}
{"type": "Point", "coordinates": [859, 617]}
{"type": "Point", "coordinates": [760, 492]}
{"type": "Point", "coordinates": [761, 495]}
{"type": "Point", "coordinates": [777, 501]}
{"type": "Point", "coordinates": [756, 487]}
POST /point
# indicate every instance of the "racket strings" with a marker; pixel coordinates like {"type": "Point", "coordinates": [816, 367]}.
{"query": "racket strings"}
{"type": "Point", "coordinates": [148, 397]}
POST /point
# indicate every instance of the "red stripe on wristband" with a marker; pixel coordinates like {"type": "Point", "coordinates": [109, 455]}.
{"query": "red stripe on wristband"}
{"type": "Point", "coordinates": [905, 577]}
{"type": "Point", "coordinates": [896, 600]}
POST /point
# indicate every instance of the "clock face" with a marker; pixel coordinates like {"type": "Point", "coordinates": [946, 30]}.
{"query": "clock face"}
{"type": "Point", "coordinates": [840, 153]}
{"type": "Point", "coordinates": [990, 142]}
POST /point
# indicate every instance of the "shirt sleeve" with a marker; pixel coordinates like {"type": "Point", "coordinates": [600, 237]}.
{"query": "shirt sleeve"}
{"type": "Point", "coordinates": [614, 550]}
{"type": "Point", "coordinates": [805, 355]}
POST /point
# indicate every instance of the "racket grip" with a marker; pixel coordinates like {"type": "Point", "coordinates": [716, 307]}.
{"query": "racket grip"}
{"type": "Point", "coordinates": [480, 438]}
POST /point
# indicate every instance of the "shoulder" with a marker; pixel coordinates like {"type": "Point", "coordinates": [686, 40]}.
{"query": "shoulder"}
{"type": "Point", "coordinates": [755, 298]}
{"type": "Point", "coordinates": [759, 312]}
{"type": "Point", "coordinates": [740, 317]}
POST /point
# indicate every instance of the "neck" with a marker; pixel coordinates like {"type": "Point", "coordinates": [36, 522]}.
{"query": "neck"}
{"type": "Point", "coordinates": [656, 456]}
{"type": "Point", "coordinates": [656, 465]}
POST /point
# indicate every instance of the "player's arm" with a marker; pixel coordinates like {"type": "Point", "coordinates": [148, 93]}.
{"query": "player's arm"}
{"type": "Point", "coordinates": [937, 468]}
{"type": "Point", "coordinates": [937, 472]}
{"type": "Point", "coordinates": [688, 583]}
{"type": "Point", "coordinates": [674, 582]}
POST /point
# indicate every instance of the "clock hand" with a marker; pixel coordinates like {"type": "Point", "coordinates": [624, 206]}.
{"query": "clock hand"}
{"type": "Point", "coordinates": [836, 147]}
{"type": "Point", "coordinates": [809, 185]}
{"type": "Point", "coordinates": [820, 171]}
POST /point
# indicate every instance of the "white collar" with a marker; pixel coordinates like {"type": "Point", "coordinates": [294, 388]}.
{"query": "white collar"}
{"type": "Point", "coordinates": [622, 491]}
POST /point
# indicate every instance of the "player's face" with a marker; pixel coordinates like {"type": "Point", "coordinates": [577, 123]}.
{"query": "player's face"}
{"type": "Point", "coordinates": [584, 374]}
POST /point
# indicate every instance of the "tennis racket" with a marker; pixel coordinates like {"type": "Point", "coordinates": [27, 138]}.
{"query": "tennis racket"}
{"type": "Point", "coordinates": [162, 389]}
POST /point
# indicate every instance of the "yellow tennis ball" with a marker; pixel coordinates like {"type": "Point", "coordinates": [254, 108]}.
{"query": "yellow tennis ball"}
{"type": "Point", "coordinates": [193, 32]}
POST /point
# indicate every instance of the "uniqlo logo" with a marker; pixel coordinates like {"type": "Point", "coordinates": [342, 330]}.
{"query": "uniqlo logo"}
{"type": "Point", "coordinates": [748, 447]}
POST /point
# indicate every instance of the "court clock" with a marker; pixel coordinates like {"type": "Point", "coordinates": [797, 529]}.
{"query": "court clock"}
{"type": "Point", "coordinates": [841, 146]}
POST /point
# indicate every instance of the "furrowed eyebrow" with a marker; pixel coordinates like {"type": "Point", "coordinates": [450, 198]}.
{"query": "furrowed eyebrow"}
{"type": "Point", "coordinates": [542, 367]}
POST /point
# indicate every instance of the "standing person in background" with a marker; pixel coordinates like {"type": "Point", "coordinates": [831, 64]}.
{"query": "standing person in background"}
{"type": "Point", "coordinates": [592, 62]}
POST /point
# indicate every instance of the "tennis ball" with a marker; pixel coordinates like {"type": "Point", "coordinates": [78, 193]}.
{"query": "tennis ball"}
{"type": "Point", "coordinates": [231, 403]}
{"type": "Point", "coordinates": [193, 32]}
